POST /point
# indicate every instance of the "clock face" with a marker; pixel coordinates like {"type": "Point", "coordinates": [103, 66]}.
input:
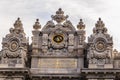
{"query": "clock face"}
{"type": "Point", "coordinates": [58, 38]}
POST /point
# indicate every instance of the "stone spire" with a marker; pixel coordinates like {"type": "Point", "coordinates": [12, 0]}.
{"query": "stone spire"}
{"type": "Point", "coordinates": [37, 25]}
{"type": "Point", "coordinates": [59, 17]}
{"type": "Point", "coordinates": [81, 25]}
{"type": "Point", "coordinates": [100, 27]}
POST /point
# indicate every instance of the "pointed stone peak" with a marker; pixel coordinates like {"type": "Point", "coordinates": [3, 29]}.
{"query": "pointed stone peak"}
{"type": "Point", "coordinates": [100, 23]}
{"type": "Point", "coordinates": [60, 11]}
{"type": "Point", "coordinates": [37, 25]}
{"type": "Point", "coordinates": [100, 27]}
{"type": "Point", "coordinates": [81, 25]}
{"type": "Point", "coordinates": [59, 17]}
{"type": "Point", "coordinates": [18, 24]}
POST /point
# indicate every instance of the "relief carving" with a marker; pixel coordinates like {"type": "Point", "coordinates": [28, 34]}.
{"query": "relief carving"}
{"type": "Point", "coordinates": [14, 45]}
{"type": "Point", "coordinates": [59, 17]}
{"type": "Point", "coordinates": [100, 48]}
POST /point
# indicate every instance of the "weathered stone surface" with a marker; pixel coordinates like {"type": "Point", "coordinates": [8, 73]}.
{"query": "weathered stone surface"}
{"type": "Point", "coordinates": [59, 52]}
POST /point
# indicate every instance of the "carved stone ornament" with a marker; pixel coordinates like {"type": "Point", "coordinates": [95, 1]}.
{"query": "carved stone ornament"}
{"type": "Point", "coordinates": [12, 50]}
{"type": "Point", "coordinates": [37, 25]}
{"type": "Point", "coordinates": [13, 46]}
{"type": "Point", "coordinates": [62, 22]}
{"type": "Point", "coordinates": [49, 25]}
{"type": "Point", "coordinates": [57, 39]}
{"type": "Point", "coordinates": [14, 43]}
{"type": "Point", "coordinates": [100, 46]}
{"type": "Point", "coordinates": [18, 24]}
{"type": "Point", "coordinates": [59, 17]}
{"type": "Point", "coordinates": [18, 27]}
{"type": "Point", "coordinates": [116, 54]}
{"type": "Point", "coordinates": [12, 54]}
{"type": "Point", "coordinates": [97, 55]}
{"type": "Point", "coordinates": [100, 27]}
{"type": "Point", "coordinates": [81, 25]}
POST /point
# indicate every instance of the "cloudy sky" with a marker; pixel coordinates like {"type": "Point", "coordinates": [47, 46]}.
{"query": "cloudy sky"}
{"type": "Point", "coordinates": [88, 10]}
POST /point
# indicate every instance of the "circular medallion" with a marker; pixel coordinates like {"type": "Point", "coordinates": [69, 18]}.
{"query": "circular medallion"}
{"type": "Point", "coordinates": [100, 46]}
{"type": "Point", "coordinates": [13, 46]}
{"type": "Point", "coordinates": [58, 38]}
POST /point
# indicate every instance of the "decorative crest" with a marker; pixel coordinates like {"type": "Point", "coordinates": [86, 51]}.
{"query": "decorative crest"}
{"type": "Point", "coordinates": [18, 24]}
{"type": "Point", "coordinates": [59, 17]}
{"type": "Point", "coordinates": [100, 23]}
{"type": "Point", "coordinates": [18, 27]}
{"type": "Point", "coordinates": [37, 25]}
{"type": "Point", "coordinates": [100, 27]}
{"type": "Point", "coordinates": [81, 25]}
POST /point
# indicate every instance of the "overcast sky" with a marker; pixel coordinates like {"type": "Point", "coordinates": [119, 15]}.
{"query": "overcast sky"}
{"type": "Point", "coordinates": [88, 10]}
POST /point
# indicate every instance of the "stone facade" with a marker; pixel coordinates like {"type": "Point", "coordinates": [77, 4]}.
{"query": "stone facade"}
{"type": "Point", "coordinates": [59, 52]}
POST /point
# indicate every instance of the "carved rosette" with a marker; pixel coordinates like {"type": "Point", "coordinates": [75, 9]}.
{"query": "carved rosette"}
{"type": "Point", "coordinates": [13, 49]}
{"type": "Point", "coordinates": [100, 45]}
{"type": "Point", "coordinates": [14, 45]}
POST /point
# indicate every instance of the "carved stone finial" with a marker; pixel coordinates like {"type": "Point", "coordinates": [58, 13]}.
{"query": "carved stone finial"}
{"type": "Point", "coordinates": [99, 23]}
{"type": "Point", "coordinates": [37, 25]}
{"type": "Point", "coordinates": [100, 27]}
{"type": "Point", "coordinates": [81, 25]}
{"type": "Point", "coordinates": [59, 11]}
{"type": "Point", "coordinates": [18, 24]}
{"type": "Point", "coordinates": [59, 17]}
{"type": "Point", "coordinates": [116, 54]}
{"type": "Point", "coordinates": [115, 51]}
